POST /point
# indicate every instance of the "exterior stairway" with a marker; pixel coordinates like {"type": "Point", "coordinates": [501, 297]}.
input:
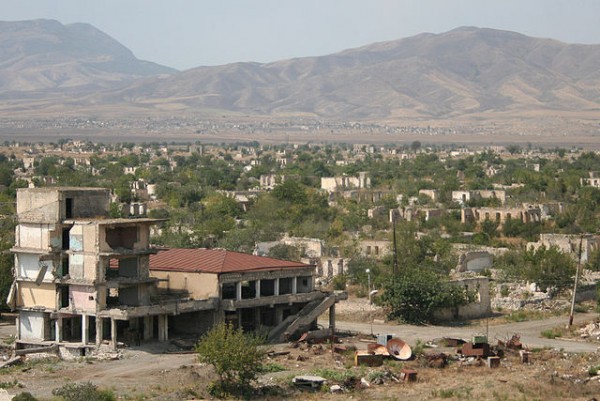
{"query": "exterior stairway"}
{"type": "Point", "coordinates": [302, 319]}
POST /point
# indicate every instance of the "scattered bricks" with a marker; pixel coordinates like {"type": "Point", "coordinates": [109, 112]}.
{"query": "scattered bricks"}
{"type": "Point", "coordinates": [340, 349]}
{"type": "Point", "coordinates": [479, 350]}
{"type": "Point", "coordinates": [493, 362]}
{"type": "Point", "coordinates": [362, 358]}
{"type": "Point", "coordinates": [437, 360]}
{"type": "Point", "coordinates": [524, 356]}
{"type": "Point", "coordinates": [408, 375]}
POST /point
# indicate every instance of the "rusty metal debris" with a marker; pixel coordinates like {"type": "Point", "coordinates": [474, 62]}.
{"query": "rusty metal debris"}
{"type": "Point", "coordinates": [398, 349]}
{"type": "Point", "coordinates": [437, 360]}
{"type": "Point", "coordinates": [481, 350]}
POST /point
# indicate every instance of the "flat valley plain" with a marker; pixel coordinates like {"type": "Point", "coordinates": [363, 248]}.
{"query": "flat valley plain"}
{"type": "Point", "coordinates": [560, 130]}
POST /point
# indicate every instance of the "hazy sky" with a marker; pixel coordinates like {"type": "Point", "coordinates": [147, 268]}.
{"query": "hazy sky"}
{"type": "Point", "coordinates": [190, 33]}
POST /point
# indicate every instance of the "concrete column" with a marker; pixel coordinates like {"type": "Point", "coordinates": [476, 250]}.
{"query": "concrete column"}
{"type": "Point", "coordinates": [238, 290]}
{"type": "Point", "coordinates": [84, 329]}
{"type": "Point", "coordinates": [148, 327]}
{"type": "Point", "coordinates": [163, 328]}
{"type": "Point", "coordinates": [332, 318]}
{"type": "Point", "coordinates": [58, 325]}
{"type": "Point", "coordinates": [113, 334]}
{"type": "Point", "coordinates": [294, 285]}
{"type": "Point", "coordinates": [276, 285]}
{"type": "Point", "coordinates": [257, 288]}
{"type": "Point", "coordinates": [99, 330]}
{"type": "Point", "coordinates": [278, 315]}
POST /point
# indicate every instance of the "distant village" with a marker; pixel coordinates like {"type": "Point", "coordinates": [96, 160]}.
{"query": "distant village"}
{"type": "Point", "coordinates": [293, 224]}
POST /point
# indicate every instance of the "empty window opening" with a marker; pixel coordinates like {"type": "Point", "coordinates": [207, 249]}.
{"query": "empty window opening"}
{"type": "Point", "coordinates": [267, 288]}
{"type": "Point", "coordinates": [71, 329]}
{"type": "Point", "coordinates": [64, 298]}
{"type": "Point", "coordinates": [65, 239]}
{"type": "Point", "coordinates": [248, 289]}
{"type": "Point", "coordinates": [285, 285]}
{"type": "Point", "coordinates": [122, 237]}
{"type": "Point", "coordinates": [267, 317]}
{"type": "Point", "coordinates": [248, 319]}
{"type": "Point", "coordinates": [69, 208]}
{"type": "Point", "coordinates": [228, 291]}
{"type": "Point", "coordinates": [64, 267]}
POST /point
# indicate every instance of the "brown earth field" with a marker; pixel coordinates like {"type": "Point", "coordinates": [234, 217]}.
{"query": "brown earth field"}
{"type": "Point", "coordinates": [563, 129]}
{"type": "Point", "coordinates": [161, 371]}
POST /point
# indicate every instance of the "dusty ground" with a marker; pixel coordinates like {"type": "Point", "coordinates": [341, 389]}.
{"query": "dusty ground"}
{"type": "Point", "coordinates": [150, 372]}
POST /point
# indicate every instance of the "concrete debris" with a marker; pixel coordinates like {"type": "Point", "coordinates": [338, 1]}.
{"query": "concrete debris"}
{"type": "Point", "coordinates": [362, 358]}
{"type": "Point", "coordinates": [336, 388]}
{"type": "Point", "coordinates": [365, 382]}
{"type": "Point", "coordinates": [591, 331]}
{"type": "Point", "coordinates": [11, 362]}
{"type": "Point", "coordinates": [307, 381]}
{"type": "Point", "coordinates": [437, 360]}
{"type": "Point", "coordinates": [408, 375]}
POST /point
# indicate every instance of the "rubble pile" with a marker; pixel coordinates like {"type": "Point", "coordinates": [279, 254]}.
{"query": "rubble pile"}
{"type": "Point", "coordinates": [591, 331]}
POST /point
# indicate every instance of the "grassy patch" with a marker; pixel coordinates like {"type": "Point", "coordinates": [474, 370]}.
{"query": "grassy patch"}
{"type": "Point", "coordinates": [552, 333]}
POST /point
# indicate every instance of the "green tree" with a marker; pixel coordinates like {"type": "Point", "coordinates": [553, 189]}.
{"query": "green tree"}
{"type": "Point", "coordinates": [236, 356]}
{"type": "Point", "coordinates": [416, 293]}
{"type": "Point", "coordinates": [285, 252]}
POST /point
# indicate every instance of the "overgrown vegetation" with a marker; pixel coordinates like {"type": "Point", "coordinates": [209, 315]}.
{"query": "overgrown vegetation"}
{"type": "Point", "coordinates": [83, 391]}
{"type": "Point", "coordinates": [236, 357]}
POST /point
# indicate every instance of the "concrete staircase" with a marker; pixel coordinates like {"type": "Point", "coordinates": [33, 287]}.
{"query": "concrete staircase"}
{"type": "Point", "coordinates": [302, 319]}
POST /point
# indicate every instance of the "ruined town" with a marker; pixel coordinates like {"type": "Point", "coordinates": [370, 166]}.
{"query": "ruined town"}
{"type": "Point", "coordinates": [299, 200]}
{"type": "Point", "coordinates": [366, 271]}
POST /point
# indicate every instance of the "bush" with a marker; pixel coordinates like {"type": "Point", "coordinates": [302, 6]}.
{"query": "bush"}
{"type": "Point", "coordinates": [83, 392]}
{"type": "Point", "coordinates": [24, 397]}
{"type": "Point", "coordinates": [236, 357]}
{"type": "Point", "coordinates": [418, 292]}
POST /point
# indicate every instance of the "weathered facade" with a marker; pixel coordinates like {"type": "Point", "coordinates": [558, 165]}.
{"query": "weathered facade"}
{"type": "Point", "coordinates": [82, 278]}
{"type": "Point", "coordinates": [253, 292]}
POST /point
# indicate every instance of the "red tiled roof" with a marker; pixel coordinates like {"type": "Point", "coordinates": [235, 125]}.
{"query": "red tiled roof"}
{"type": "Point", "coordinates": [215, 261]}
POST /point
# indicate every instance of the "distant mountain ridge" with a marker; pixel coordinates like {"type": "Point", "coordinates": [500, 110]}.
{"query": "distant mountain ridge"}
{"type": "Point", "coordinates": [464, 72]}
{"type": "Point", "coordinates": [43, 55]}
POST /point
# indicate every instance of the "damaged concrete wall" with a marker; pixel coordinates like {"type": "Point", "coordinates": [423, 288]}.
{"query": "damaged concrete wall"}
{"type": "Point", "coordinates": [198, 285]}
{"type": "Point", "coordinates": [33, 236]}
{"type": "Point", "coordinates": [193, 323]}
{"type": "Point", "coordinates": [31, 295]}
{"type": "Point", "coordinates": [83, 298]}
{"type": "Point", "coordinates": [29, 265]}
{"type": "Point", "coordinates": [480, 308]}
{"type": "Point", "coordinates": [32, 325]}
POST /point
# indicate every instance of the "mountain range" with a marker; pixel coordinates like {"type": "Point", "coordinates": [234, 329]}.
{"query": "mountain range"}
{"type": "Point", "coordinates": [466, 72]}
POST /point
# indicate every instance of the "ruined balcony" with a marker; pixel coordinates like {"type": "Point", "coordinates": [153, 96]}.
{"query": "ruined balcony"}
{"type": "Point", "coordinates": [232, 304]}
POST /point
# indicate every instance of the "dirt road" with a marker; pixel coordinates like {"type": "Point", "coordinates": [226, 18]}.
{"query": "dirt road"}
{"type": "Point", "coordinates": [528, 330]}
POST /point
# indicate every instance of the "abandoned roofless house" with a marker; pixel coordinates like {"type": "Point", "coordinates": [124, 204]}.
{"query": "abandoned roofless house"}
{"type": "Point", "coordinates": [83, 279]}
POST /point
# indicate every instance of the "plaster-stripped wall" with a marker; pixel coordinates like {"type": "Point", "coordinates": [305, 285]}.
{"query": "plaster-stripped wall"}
{"type": "Point", "coordinates": [28, 267]}
{"type": "Point", "coordinates": [83, 298]}
{"type": "Point", "coordinates": [31, 295]}
{"type": "Point", "coordinates": [32, 325]}
{"type": "Point", "coordinates": [199, 285]}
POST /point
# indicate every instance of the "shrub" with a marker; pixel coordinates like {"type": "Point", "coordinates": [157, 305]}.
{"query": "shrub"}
{"type": "Point", "coordinates": [236, 357]}
{"type": "Point", "coordinates": [26, 396]}
{"type": "Point", "coordinates": [83, 392]}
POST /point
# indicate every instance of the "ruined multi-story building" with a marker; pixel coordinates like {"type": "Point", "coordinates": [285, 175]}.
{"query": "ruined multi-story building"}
{"type": "Point", "coordinates": [83, 279]}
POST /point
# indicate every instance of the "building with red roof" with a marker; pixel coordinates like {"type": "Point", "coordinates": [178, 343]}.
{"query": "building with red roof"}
{"type": "Point", "coordinates": [252, 292]}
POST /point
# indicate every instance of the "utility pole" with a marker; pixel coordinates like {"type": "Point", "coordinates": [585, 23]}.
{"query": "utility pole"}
{"type": "Point", "coordinates": [395, 260]}
{"type": "Point", "coordinates": [576, 280]}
